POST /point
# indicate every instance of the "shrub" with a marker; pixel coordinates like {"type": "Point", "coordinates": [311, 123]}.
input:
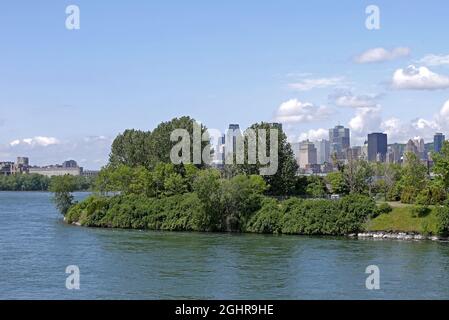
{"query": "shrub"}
{"type": "Point", "coordinates": [383, 208]}
{"type": "Point", "coordinates": [267, 219]}
{"type": "Point", "coordinates": [420, 211]}
{"type": "Point", "coordinates": [443, 220]}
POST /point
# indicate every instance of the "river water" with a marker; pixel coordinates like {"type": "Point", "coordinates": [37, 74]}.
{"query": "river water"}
{"type": "Point", "coordinates": [36, 246]}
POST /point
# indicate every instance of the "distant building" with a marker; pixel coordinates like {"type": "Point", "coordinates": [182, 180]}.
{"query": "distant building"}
{"type": "Point", "coordinates": [438, 140]}
{"type": "Point", "coordinates": [307, 154]}
{"type": "Point", "coordinates": [377, 147]}
{"type": "Point", "coordinates": [219, 152]}
{"type": "Point", "coordinates": [339, 139]}
{"type": "Point", "coordinates": [67, 168]}
{"type": "Point", "coordinates": [354, 153]}
{"type": "Point", "coordinates": [322, 151]}
{"type": "Point", "coordinates": [231, 140]}
{"type": "Point", "coordinates": [411, 147]}
{"type": "Point", "coordinates": [89, 173]}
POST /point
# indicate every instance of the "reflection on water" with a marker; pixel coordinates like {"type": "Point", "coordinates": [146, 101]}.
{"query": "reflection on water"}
{"type": "Point", "coordinates": [36, 246]}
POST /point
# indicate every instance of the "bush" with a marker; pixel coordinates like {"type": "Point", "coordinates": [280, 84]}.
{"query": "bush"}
{"type": "Point", "coordinates": [443, 220]}
{"type": "Point", "coordinates": [431, 195]}
{"type": "Point", "coordinates": [267, 219]}
{"type": "Point", "coordinates": [383, 208]}
{"type": "Point", "coordinates": [420, 211]}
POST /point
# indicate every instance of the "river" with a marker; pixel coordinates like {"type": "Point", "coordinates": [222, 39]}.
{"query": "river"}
{"type": "Point", "coordinates": [36, 246]}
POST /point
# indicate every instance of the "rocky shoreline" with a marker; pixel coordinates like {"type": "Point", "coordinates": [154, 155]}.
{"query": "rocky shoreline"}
{"type": "Point", "coordinates": [396, 236]}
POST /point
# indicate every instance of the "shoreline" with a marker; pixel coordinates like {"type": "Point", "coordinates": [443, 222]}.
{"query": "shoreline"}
{"type": "Point", "coordinates": [376, 235]}
{"type": "Point", "coordinates": [407, 236]}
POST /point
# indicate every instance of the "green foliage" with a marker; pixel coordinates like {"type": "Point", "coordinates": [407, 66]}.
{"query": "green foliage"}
{"type": "Point", "coordinates": [414, 178]}
{"type": "Point", "coordinates": [443, 220]}
{"type": "Point", "coordinates": [284, 181]}
{"type": "Point", "coordinates": [267, 219]}
{"type": "Point", "coordinates": [337, 182]}
{"type": "Point", "coordinates": [316, 187]}
{"type": "Point", "coordinates": [441, 165]}
{"type": "Point", "coordinates": [420, 211]}
{"type": "Point", "coordinates": [62, 187]}
{"type": "Point", "coordinates": [383, 208]}
{"type": "Point", "coordinates": [432, 194]}
{"type": "Point", "coordinates": [131, 148]}
{"type": "Point", "coordinates": [37, 182]}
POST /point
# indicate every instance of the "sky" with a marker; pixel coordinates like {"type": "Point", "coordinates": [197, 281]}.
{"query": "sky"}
{"type": "Point", "coordinates": [65, 94]}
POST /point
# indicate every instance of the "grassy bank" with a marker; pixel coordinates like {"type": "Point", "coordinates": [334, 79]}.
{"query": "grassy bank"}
{"type": "Point", "coordinates": [402, 219]}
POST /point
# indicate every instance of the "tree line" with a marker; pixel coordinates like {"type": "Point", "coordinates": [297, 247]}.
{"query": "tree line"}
{"type": "Point", "coordinates": [141, 188]}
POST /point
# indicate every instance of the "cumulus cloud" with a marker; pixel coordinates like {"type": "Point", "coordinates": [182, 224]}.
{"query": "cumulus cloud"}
{"type": "Point", "coordinates": [309, 84]}
{"type": "Point", "coordinates": [36, 141]}
{"type": "Point", "coordinates": [400, 131]}
{"type": "Point", "coordinates": [295, 111]}
{"type": "Point", "coordinates": [382, 54]}
{"type": "Point", "coordinates": [366, 120]}
{"type": "Point", "coordinates": [421, 78]}
{"type": "Point", "coordinates": [433, 60]}
{"type": "Point", "coordinates": [314, 135]}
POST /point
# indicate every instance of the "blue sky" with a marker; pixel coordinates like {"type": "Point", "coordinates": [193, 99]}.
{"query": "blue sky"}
{"type": "Point", "coordinates": [67, 93]}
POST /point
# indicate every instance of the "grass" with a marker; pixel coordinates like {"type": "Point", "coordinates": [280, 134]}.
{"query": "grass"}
{"type": "Point", "coordinates": [402, 220]}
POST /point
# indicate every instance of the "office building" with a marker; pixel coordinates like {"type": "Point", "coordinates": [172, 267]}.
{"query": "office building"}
{"type": "Point", "coordinates": [339, 139]}
{"type": "Point", "coordinates": [377, 147]}
{"type": "Point", "coordinates": [438, 140]}
{"type": "Point", "coordinates": [307, 154]}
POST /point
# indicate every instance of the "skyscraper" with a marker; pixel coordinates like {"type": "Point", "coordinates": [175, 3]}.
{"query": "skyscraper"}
{"type": "Point", "coordinates": [307, 154]}
{"type": "Point", "coordinates": [339, 140]}
{"type": "Point", "coordinates": [231, 141]}
{"type": "Point", "coordinates": [438, 140]}
{"type": "Point", "coordinates": [377, 147]}
{"type": "Point", "coordinates": [322, 151]}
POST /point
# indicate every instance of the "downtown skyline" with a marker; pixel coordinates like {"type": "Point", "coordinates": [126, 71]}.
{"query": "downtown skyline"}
{"type": "Point", "coordinates": [67, 94]}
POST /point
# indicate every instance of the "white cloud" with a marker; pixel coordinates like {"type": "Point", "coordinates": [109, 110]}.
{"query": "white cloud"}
{"type": "Point", "coordinates": [433, 60]}
{"type": "Point", "coordinates": [295, 111]}
{"type": "Point", "coordinates": [314, 135]}
{"type": "Point", "coordinates": [347, 99]}
{"type": "Point", "coordinates": [366, 120]}
{"type": "Point", "coordinates": [36, 141]}
{"type": "Point", "coordinates": [421, 78]}
{"type": "Point", "coordinates": [382, 54]}
{"type": "Point", "coordinates": [309, 84]}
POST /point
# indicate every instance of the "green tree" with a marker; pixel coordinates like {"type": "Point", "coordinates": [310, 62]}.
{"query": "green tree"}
{"type": "Point", "coordinates": [283, 182]}
{"type": "Point", "coordinates": [414, 178]}
{"type": "Point", "coordinates": [337, 182]}
{"type": "Point", "coordinates": [62, 187]}
{"type": "Point", "coordinates": [441, 165]}
{"type": "Point", "coordinates": [131, 148]}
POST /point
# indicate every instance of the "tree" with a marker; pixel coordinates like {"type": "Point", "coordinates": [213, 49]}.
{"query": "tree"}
{"type": "Point", "coordinates": [131, 148]}
{"type": "Point", "coordinates": [283, 182]}
{"type": "Point", "coordinates": [358, 175]}
{"type": "Point", "coordinates": [337, 182]}
{"type": "Point", "coordinates": [441, 165]}
{"type": "Point", "coordinates": [62, 187]}
{"type": "Point", "coordinates": [414, 178]}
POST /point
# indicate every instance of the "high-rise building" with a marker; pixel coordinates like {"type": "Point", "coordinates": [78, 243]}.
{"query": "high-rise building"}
{"type": "Point", "coordinates": [307, 154]}
{"type": "Point", "coordinates": [377, 147]}
{"type": "Point", "coordinates": [322, 151]}
{"type": "Point", "coordinates": [438, 140]}
{"type": "Point", "coordinates": [411, 147]}
{"type": "Point", "coordinates": [219, 152]}
{"type": "Point", "coordinates": [339, 140]}
{"type": "Point", "coordinates": [231, 140]}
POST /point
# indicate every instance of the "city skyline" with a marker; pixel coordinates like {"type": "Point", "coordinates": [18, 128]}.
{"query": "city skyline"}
{"type": "Point", "coordinates": [67, 94]}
